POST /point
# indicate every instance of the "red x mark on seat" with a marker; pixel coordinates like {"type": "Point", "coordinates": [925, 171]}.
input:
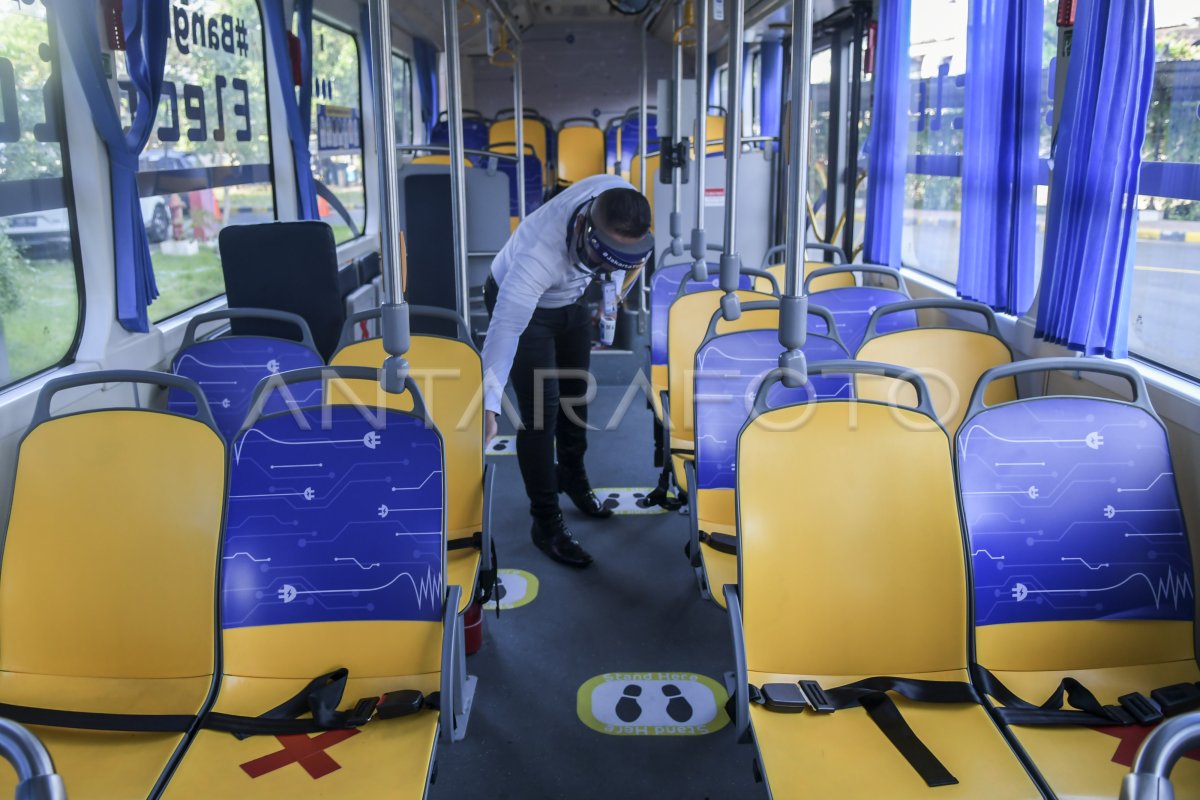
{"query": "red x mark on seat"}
{"type": "Point", "coordinates": [1131, 737]}
{"type": "Point", "coordinates": [300, 749]}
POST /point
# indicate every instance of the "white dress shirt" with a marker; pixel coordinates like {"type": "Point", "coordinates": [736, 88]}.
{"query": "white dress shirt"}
{"type": "Point", "coordinates": [534, 270]}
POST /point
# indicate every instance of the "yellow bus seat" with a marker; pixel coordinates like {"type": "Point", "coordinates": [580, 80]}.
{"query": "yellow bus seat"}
{"type": "Point", "coordinates": [109, 579]}
{"type": "Point", "coordinates": [951, 360]}
{"type": "Point", "coordinates": [664, 288]}
{"type": "Point", "coordinates": [340, 563]}
{"type": "Point", "coordinates": [536, 136]}
{"type": "Point", "coordinates": [729, 369]}
{"type": "Point", "coordinates": [822, 282]}
{"type": "Point", "coordinates": [635, 177]}
{"type": "Point", "coordinates": [449, 373]}
{"type": "Point", "coordinates": [714, 127]}
{"type": "Point", "coordinates": [686, 324]}
{"type": "Point", "coordinates": [853, 305]}
{"type": "Point", "coordinates": [439, 159]}
{"type": "Point", "coordinates": [837, 588]}
{"type": "Point", "coordinates": [228, 367]}
{"type": "Point", "coordinates": [1081, 562]}
{"type": "Point", "coordinates": [580, 150]}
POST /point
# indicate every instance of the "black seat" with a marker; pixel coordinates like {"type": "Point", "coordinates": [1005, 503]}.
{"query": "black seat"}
{"type": "Point", "coordinates": [289, 266]}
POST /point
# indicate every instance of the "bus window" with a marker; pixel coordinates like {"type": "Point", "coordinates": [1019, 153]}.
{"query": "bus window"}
{"type": "Point", "coordinates": [337, 128]}
{"type": "Point", "coordinates": [402, 99]}
{"type": "Point", "coordinates": [39, 288]}
{"type": "Point", "coordinates": [818, 143]}
{"type": "Point", "coordinates": [208, 161]}
{"type": "Point", "coordinates": [933, 187]}
{"type": "Point", "coordinates": [1163, 325]}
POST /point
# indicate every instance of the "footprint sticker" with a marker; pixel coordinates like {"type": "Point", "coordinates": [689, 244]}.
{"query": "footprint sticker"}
{"type": "Point", "coordinates": [502, 446]}
{"type": "Point", "coordinates": [628, 708]}
{"type": "Point", "coordinates": [652, 704]}
{"type": "Point", "coordinates": [612, 501]}
{"type": "Point", "coordinates": [628, 500]}
{"type": "Point", "coordinates": [678, 707]}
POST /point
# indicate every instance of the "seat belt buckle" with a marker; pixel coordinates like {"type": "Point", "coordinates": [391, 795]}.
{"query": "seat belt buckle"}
{"type": "Point", "coordinates": [1177, 698]}
{"type": "Point", "coordinates": [786, 697]}
{"type": "Point", "coordinates": [817, 697]}
{"type": "Point", "coordinates": [364, 709]}
{"type": "Point", "coordinates": [1119, 715]}
{"type": "Point", "coordinates": [1143, 710]}
{"type": "Point", "coordinates": [401, 703]}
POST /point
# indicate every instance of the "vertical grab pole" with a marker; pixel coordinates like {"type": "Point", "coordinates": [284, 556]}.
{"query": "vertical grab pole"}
{"type": "Point", "coordinates": [519, 122]}
{"type": "Point", "coordinates": [793, 306]}
{"type": "Point", "coordinates": [643, 148]}
{"type": "Point", "coordinates": [730, 261]}
{"type": "Point", "coordinates": [394, 312]}
{"type": "Point", "coordinates": [861, 11]}
{"type": "Point", "coordinates": [458, 176]}
{"type": "Point", "coordinates": [676, 137]}
{"type": "Point", "coordinates": [700, 140]}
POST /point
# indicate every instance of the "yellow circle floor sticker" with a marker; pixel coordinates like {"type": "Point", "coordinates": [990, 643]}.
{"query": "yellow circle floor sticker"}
{"type": "Point", "coordinates": [652, 704]}
{"type": "Point", "coordinates": [514, 588]}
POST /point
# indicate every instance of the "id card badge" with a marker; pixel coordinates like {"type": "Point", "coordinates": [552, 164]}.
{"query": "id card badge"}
{"type": "Point", "coordinates": [610, 298]}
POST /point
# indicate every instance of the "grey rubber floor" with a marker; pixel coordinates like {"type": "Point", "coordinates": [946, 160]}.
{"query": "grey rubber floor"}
{"type": "Point", "coordinates": [635, 609]}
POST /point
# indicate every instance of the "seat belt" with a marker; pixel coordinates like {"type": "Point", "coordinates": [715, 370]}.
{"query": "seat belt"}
{"type": "Point", "coordinates": [487, 577]}
{"type": "Point", "coordinates": [96, 721]}
{"type": "Point", "coordinates": [321, 698]}
{"type": "Point", "coordinates": [1133, 708]}
{"type": "Point", "coordinates": [721, 542]}
{"type": "Point", "coordinates": [871, 695]}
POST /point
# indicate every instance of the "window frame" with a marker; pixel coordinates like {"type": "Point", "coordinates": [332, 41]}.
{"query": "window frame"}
{"type": "Point", "coordinates": [362, 95]}
{"type": "Point", "coordinates": [408, 67]}
{"type": "Point", "coordinates": [68, 189]}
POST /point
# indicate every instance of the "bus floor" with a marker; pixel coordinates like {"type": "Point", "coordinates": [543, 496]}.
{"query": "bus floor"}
{"type": "Point", "coordinates": [635, 610]}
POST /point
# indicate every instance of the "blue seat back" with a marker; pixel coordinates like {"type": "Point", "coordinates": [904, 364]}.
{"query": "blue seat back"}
{"type": "Point", "coordinates": [853, 306]}
{"type": "Point", "coordinates": [533, 183]}
{"type": "Point", "coordinates": [664, 286]}
{"type": "Point", "coordinates": [475, 133]}
{"type": "Point", "coordinates": [628, 131]}
{"type": "Point", "coordinates": [1072, 513]}
{"type": "Point", "coordinates": [729, 371]}
{"type": "Point", "coordinates": [229, 367]}
{"type": "Point", "coordinates": [335, 514]}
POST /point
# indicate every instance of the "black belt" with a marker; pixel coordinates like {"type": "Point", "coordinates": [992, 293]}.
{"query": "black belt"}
{"type": "Point", "coordinates": [871, 695]}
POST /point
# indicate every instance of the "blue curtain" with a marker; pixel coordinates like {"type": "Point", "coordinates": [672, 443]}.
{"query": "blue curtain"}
{"type": "Point", "coordinates": [147, 32]}
{"type": "Point", "coordinates": [304, 24]}
{"type": "Point", "coordinates": [887, 143]}
{"type": "Point", "coordinates": [771, 87]}
{"type": "Point", "coordinates": [1084, 300]}
{"type": "Point", "coordinates": [1000, 153]}
{"type": "Point", "coordinates": [425, 62]}
{"type": "Point", "coordinates": [714, 88]}
{"type": "Point", "coordinates": [299, 125]}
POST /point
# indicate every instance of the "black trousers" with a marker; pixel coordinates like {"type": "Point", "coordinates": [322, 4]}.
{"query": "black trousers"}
{"type": "Point", "coordinates": [549, 375]}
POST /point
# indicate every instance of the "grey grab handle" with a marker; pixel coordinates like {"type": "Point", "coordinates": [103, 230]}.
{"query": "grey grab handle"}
{"type": "Point", "coordinates": [832, 249]}
{"type": "Point", "coordinates": [569, 121]}
{"type": "Point", "coordinates": [1150, 777]}
{"type": "Point", "coordinates": [1099, 365]}
{"type": "Point", "coordinates": [42, 413]}
{"type": "Point", "coordinates": [715, 269]}
{"type": "Point", "coordinates": [36, 778]}
{"type": "Point", "coordinates": [344, 373]}
{"type": "Point", "coordinates": [761, 305]}
{"type": "Point", "coordinates": [947, 303]}
{"type": "Point", "coordinates": [874, 269]}
{"type": "Point", "coordinates": [850, 367]}
{"type": "Point", "coordinates": [429, 312]}
{"type": "Point", "coordinates": [306, 338]}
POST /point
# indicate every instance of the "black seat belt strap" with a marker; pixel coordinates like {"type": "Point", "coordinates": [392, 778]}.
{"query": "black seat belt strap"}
{"type": "Point", "coordinates": [721, 542]}
{"type": "Point", "coordinates": [1086, 709]}
{"type": "Point", "coordinates": [96, 721]}
{"type": "Point", "coordinates": [871, 694]}
{"type": "Point", "coordinates": [475, 540]}
{"type": "Point", "coordinates": [321, 698]}
{"type": "Point", "coordinates": [887, 717]}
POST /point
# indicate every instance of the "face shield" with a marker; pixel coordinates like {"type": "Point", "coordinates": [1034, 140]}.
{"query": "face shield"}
{"type": "Point", "coordinates": [598, 254]}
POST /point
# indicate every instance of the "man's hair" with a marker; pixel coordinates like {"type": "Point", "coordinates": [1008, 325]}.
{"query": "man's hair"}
{"type": "Point", "coordinates": [624, 212]}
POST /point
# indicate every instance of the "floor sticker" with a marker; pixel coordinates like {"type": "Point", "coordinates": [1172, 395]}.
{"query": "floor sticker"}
{"type": "Point", "coordinates": [502, 446]}
{"type": "Point", "coordinates": [629, 500]}
{"type": "Point", "coordinates": [652, 704]}
{"type": "Point", "coordinates": [514, 588]}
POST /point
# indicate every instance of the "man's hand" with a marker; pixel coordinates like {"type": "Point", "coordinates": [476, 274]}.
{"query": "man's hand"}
{"type": "Point", "coordinates": [489, 427]}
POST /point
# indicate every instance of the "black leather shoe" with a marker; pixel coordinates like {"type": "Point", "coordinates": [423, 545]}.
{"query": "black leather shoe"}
{"type": "Point", "coordinates": [574, 484]}
{"type": "Point", "coordinates": [552, 537]}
